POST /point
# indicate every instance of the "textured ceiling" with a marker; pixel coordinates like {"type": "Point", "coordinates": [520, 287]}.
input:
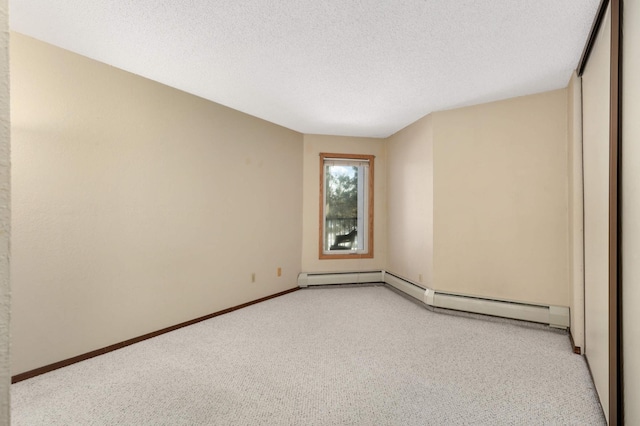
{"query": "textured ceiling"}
{"type": "Point", "coordinates": [357, 68]}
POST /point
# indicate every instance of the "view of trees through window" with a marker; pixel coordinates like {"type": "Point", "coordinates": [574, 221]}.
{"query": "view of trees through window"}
{"type": "Point", "coordinates": [341, 214]}
{"type": "Point", "coordinates": [342, 192]}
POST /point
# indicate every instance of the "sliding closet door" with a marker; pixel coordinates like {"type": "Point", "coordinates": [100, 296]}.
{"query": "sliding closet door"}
{"type": "Point", "coordinates": [631, 210]}
{"type": "Point", "coordinates": [595, 104]}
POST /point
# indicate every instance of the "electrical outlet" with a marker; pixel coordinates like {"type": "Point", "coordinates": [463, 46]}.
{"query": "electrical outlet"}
{"type": "Point", "coordinates": [420, 277]}
{"type": "Point", "coordinates": [253, 277]}
{"type": "Point", "coordinates": [279, 271]}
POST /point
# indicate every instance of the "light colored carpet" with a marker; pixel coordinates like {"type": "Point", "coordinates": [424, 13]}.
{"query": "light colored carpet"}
{"type": "Point", "coordinates": [338, 356]}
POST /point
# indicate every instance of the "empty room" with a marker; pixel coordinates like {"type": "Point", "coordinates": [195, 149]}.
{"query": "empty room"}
{"type": "Point", "coordinates": [325, 212]}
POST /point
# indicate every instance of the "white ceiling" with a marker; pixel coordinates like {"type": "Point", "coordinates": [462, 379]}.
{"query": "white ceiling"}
{"type": "Point", "coordinates": [339, 67]}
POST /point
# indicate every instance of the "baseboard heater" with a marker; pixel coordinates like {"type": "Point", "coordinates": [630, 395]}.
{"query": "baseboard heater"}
{"type": "Point", "coordinates": [306, 280]}
{"type": "Point", "coordinates": [555, 316]}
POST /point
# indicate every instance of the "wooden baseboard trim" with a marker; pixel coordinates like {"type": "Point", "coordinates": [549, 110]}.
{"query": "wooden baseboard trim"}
{"type": "Point", "coordinates": [576, 349]}
{"type": "Point", "coordinates": [64, 363]}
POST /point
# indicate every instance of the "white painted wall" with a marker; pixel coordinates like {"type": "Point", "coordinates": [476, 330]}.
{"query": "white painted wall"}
{"type": "Point", "coordinates": [410, 207]}
{"type": "Point", "coordinates": [313, 146]}
{"type": "Point", "coordinates": [595, 107]}
{"type": "Point", "coordinates": [631, 210]}
{"type": "Point", "coordinates": [5, 228]}
{"type": "Point", "coordinates": [137, 206]}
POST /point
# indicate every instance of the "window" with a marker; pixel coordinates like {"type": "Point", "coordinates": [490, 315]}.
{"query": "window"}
{"type": "Point", "coordinates": [346, 206]}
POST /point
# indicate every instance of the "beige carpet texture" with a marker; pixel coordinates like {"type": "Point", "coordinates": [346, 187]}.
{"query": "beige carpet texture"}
{"type": "Point", "coordinates": [325, 356]}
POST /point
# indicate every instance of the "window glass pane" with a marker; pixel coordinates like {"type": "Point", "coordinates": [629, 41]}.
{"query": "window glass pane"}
{"type": "Point", "coordinates": [341, 207]}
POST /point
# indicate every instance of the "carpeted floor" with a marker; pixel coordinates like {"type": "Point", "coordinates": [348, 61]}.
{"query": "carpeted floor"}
{"type": "Point", "coordinates": [336, 356]}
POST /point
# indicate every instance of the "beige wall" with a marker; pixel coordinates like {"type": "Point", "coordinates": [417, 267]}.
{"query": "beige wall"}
{"type": "Point", "coordinates": [410, 202]}
{"type": "Point", "coordinates": [576, 210]}
{"type": "Point", "coordinates": [631, 210]}
{"type": "Point", "coordinates": [313, 146]}
{"type": "Point", "coordinates": [5, 228]}
{"type": "Point", "coordinates": [595, 107]}
{"type": "Point", "coordinates": [501, 199]}
{"type": "Point", "coordinates": [137, 206]}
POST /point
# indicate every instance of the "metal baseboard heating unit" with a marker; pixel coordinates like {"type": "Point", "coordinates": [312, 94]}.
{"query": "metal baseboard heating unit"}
{"type": "Point", "coordinates": [405, 286]}
{"type": "Point", "coordinates": [555, 316]}
{"type": "Point", "coordinates": [310, 279]}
